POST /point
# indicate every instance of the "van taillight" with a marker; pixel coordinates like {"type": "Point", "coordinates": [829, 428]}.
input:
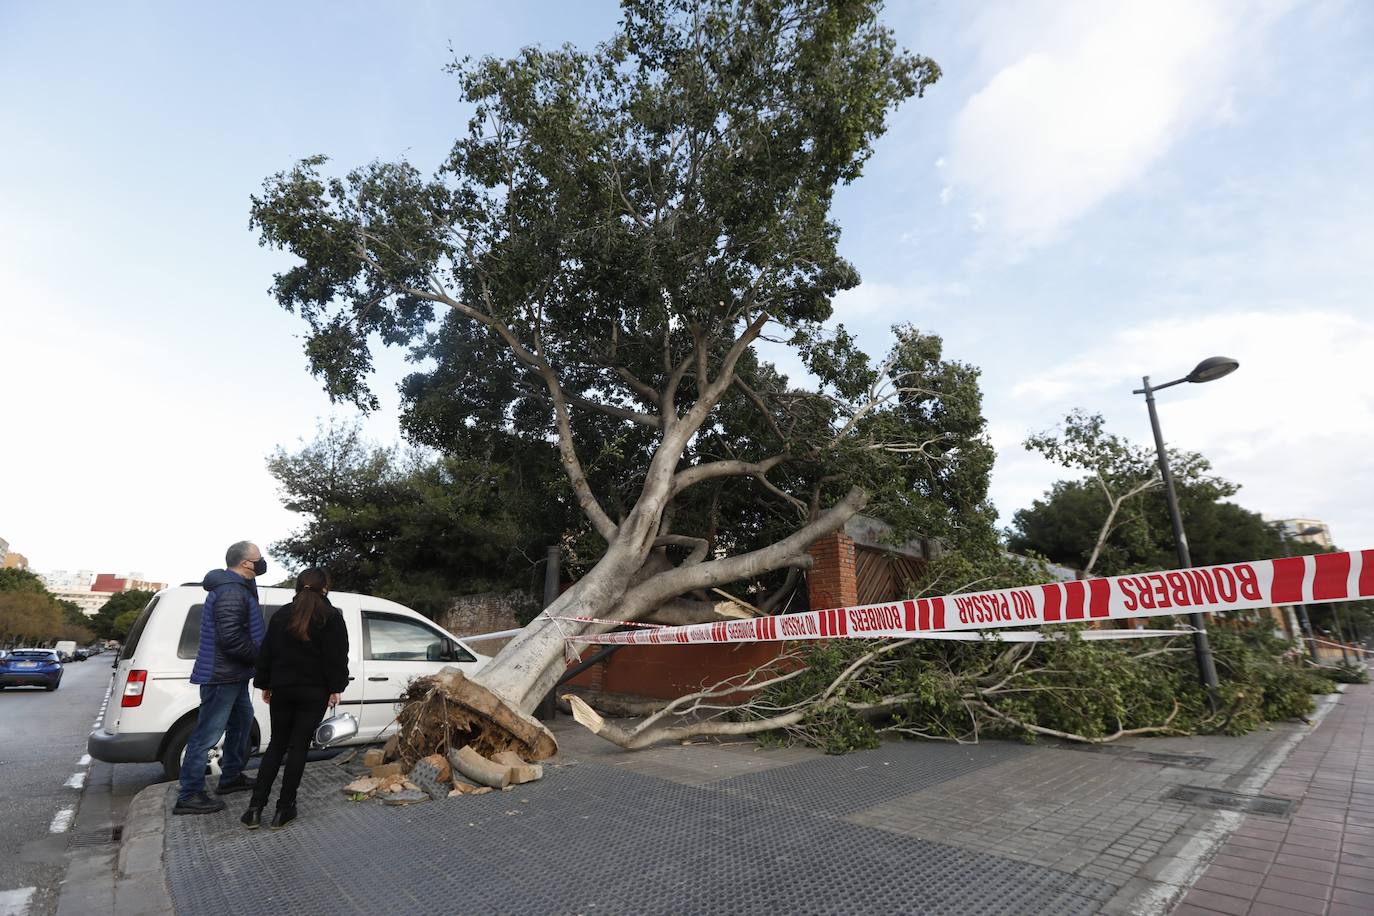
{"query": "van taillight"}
{"type": "Point", "coordinates": [133, 688]}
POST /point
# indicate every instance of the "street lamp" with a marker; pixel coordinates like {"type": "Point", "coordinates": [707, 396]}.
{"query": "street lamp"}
{"type": "Point", "coordinates": [1209, 370]}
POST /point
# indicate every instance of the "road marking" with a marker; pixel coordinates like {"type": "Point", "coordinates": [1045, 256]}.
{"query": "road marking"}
{"type": "Point", "coordinates": [16, 902]}
{"type": "Point", "coordinates": [85, 760]}
{"type": "Point", "coordinates": [62, 820]}
{"type": "Point", "coordinates": [76, 780]}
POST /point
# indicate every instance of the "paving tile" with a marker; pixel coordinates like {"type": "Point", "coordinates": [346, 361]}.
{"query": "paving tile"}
{"type": "Point", "coordinates": [1324, 866]}
{"type": "Point", "coordinates": [1325, 879]}
{"type": "Point", "coordinates": [1354, 884]}
{"type": "Point", "coordinates": [1290, 901]}
{"type": "Point", "coordinates": [1229, 888]}
{"type": "Point", "coordinates": [1294, 886]}
{"type": "Point", "coordinates": [1353, 898]}
{"type": "Point", "coordinates": [1220, 903]}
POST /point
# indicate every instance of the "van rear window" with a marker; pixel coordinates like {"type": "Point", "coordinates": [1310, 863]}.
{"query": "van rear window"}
{"type": "Point", "coordinates": [136, 631]}
{"type": "Point", "coordinates": [190, 630]}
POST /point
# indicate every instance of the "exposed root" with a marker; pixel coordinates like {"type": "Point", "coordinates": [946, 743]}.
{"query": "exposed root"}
{"type": "Point", "coordinates": [446, 711]}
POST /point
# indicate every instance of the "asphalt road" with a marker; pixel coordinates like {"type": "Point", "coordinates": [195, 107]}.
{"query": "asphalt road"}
{"type": "Point", "coordinates": [49, 789]}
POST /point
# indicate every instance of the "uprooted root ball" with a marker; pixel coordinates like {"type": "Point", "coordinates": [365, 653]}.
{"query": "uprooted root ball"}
{"type": "Point", "coordinates": [446, 711]}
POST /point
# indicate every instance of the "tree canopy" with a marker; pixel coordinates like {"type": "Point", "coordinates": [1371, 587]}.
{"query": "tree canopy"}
{"type": "Point", "coordinates": [106, 620]}
{"type": "Point", "coordinates": [420, 527]}
{"type": "Point", "coordinates": [608, 241]}
{"type": "Point", "coordinates": [1115, 519]}
{"type": "Point", "coordinates": [30, 614]}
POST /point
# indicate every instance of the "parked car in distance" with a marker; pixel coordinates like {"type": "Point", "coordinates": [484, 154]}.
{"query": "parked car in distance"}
{"type": "Point", "coordinates": [388, 646]}
{"type": "Point", "coordinates": [31, 668]}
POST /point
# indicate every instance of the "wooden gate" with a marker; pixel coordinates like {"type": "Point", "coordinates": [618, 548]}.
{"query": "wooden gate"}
{"type": "Point", "coordinates": [884, 576]}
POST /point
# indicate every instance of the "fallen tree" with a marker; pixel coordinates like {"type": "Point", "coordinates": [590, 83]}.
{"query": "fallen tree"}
{"type": "Point", "coordinates": [615, 233]}
{"type": "Point", "coordinates": [844, 695]}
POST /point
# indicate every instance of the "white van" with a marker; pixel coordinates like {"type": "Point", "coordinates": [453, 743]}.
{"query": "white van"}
{"type": "Point", "coordinates": [153, 706]}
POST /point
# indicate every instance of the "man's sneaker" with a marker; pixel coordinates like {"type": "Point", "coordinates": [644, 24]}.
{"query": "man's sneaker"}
{"type": "Point", "coordinates": [199, 803]}
{"type": "Point", "coordinates": [239, 783]}
{"type": "Point", "coordinates": [283, 817]}
{"type": "Point", "coordinates": [252, 818]}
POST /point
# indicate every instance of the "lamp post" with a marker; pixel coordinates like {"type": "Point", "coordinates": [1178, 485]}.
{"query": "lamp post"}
{"type": "Point", "coordinates": [1208, 370]}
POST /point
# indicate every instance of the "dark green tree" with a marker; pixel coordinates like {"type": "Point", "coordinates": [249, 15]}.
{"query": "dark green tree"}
{"type": "Point", "coordinates": [415, 527]}
{"type": "Point", "coordinates": [1115, 519]}
{"type": "Point", "coordinates": [627, 223]}
{"type": "Point", "coordinates": [29, 614]}
{"type": "Point", "coordinates": [21, 580]}
{"type": "Point", "coordinates": [104, 621]}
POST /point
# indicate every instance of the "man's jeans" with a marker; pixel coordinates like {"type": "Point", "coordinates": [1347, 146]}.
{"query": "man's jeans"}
{"type": "Point", "coordinates": [225, 709]}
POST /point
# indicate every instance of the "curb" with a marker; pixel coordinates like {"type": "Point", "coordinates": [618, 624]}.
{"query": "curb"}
{"type": "Point", "coordinates": [1169, 876]}
{"type": "Point", "coordinates": [140, 877]}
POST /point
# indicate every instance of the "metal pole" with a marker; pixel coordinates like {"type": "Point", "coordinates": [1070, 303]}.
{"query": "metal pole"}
{"type": "Point", "coordinates": [1202, 649]}
{"type": "Point", "coordinates": [1340, 633]}
{"type": "Point", "coordinates": [1309, 637]}
{"type": "Point", "coordinates": [548, 707]}
{"type": "Point", "coordinates": [552, 563]}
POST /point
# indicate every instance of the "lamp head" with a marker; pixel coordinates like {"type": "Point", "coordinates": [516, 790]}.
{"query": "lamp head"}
{"type": "Point", "coordinates": [1213, 368]}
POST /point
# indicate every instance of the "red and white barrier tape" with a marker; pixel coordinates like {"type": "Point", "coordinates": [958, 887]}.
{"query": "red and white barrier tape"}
{"type": "Point", "coordinates": [1336, 645]}
{"type": "Point", "coordinates": [1206, 590]}
{"type": "Point", "coordinates": [614, 623]}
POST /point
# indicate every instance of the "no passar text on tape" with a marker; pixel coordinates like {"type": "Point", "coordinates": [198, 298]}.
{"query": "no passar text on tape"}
{"type": "Point", "coordinates": [1206, 589]}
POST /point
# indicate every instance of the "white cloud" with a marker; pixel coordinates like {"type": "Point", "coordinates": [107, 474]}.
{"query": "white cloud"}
{"type": "Point", "coordinates": [885, 302]}
{"type": "Point", "coordinates": [1084, 96]}
{"type": "Point", "coordinates": [1294, 425]}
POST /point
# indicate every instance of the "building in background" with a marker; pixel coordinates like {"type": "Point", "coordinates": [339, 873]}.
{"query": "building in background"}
{"type": "Point", "coordinates": [61, 579]}
{"type": "Point", "coordinates": [10, 559]}
{"type": "Point", "coordinates": [109, 583]}
{"type": "Point", "coordinates": [1292, 526]}
{"type": "Point", "coordinates": [88, 601]}
{"type": "Point", "coordinates": [89, 591]}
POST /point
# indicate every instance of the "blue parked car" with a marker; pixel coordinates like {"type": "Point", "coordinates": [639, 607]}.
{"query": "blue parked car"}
{"type": "Point", "coordinates": [31, 668]}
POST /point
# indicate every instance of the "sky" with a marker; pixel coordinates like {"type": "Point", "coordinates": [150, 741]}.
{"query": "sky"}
{"type": "Point", "coordinates": [1091, 194]}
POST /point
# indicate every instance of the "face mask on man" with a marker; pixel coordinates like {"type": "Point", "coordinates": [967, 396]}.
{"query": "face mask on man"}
{"type": "Point", "coordinates": [259, 566]}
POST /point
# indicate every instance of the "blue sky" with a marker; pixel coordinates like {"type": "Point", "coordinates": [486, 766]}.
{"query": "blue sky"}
{"type": "Point", "coordinates": [1094, 192]}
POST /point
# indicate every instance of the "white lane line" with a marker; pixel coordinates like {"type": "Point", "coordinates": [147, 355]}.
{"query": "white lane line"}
{"type": "Point", "coordinates": [85, 760]}
{"type": "Point", "coordinates": [76, 780]}
{"type": "Point", "coordinates": [16, 902]}
{"type": "Point", "coordinates": [62, 820]}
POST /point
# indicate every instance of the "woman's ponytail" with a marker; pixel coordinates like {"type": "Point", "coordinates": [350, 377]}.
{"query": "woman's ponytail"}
{"type": "Point", "coordinates": [309, 606]}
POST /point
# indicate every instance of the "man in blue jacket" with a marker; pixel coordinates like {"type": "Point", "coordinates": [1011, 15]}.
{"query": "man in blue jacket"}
{"type": "Point", "coordinates": [231, 629]}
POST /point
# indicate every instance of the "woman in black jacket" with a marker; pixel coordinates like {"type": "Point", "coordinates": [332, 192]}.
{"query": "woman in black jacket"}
{"type": "Point", "coordinates": [302, 669]}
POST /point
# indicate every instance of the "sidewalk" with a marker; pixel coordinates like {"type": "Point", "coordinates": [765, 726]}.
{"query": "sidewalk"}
{"type": "Point", "coordinates": [999, 827]}
{"type": "Point", "coordinates": [1321, 859]}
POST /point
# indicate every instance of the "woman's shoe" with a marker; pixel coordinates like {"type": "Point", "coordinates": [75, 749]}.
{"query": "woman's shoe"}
{"type": "Point", "coordinates": [252, 818]}
{"type": "Point", "coordinates": [283, 817]}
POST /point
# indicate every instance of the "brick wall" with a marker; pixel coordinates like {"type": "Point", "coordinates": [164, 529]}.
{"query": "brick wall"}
{"type": "Point", "coordinates": [487, 612]}
{"type": "Point", "coordinates": [832, 581]}
{"type": "Point", "coordinates": [668, 672]}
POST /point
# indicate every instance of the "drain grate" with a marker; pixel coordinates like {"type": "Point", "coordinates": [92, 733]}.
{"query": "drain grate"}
{"type": "Point", "coordinates": [1191, 761]}
{"type": "Point", "coordinates": [1231, 801]}
{"type": "Point", "coordinates": [97, 838]}
{"type": "Point", "coordinates": [1162, 758]}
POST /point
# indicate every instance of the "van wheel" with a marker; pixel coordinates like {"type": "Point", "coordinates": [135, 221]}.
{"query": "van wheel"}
{"type": "Point", "coordinates": [176, 749]}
